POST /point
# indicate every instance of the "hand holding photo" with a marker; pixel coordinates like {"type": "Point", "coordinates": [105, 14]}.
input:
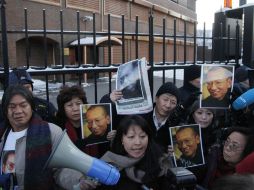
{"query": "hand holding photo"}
{"type": "Point", "coordinates": [186, 141]}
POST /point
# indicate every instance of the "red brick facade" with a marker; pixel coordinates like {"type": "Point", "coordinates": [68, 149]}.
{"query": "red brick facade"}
{"type": "Point", "coordinates": [116, 8]}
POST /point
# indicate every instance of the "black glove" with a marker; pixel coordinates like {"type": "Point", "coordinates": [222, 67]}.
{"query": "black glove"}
{"type": "Point", "coordinates": [191, 99]}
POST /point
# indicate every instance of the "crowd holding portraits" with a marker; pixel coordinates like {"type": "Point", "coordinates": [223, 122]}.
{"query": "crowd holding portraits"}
{"type": "Point", "coordinates": [96, 122]}
{"type": "Point", "coordinates": [193, 127]}
{"type": "Point", "coordinates": [217, 84]}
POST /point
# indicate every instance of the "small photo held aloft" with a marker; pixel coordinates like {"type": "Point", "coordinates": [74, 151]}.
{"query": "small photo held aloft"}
{"type": "Point", "coordinates": [216, 86]}
{"type": "Point", "coordinates": [96, 122]}
{"type": "Point", "coordinates": [187, 145]}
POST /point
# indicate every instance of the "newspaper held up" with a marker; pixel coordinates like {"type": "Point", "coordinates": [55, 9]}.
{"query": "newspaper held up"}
{"type": "Point", "coordinates": [132, 80]}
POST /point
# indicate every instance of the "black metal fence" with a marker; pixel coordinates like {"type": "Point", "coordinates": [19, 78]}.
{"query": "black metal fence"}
{"type": "Point", "coordinates": [60, 71]}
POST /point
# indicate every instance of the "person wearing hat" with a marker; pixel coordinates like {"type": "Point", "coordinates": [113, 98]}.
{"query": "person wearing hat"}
{"type": "Point", "coordinates": [167, 111]}
{"type": "Point", "coordinates": [218, 82]}
{"type": "Point", "coordinates": [191, 83]}
{"type": "Point", "coordinates": [43, 108]}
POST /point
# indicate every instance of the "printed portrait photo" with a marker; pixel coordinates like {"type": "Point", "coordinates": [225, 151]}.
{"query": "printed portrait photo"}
{"type": "Point", "coordinates": [129, 81]}
{"type": "Point", "coordinates": [216, 86]}
{"type": "Point", "coordinates": [8, 162]}
{"type": "Point", "coordinates": [96, 122]}
{"type": "Point", "coordinates": [186, 141]}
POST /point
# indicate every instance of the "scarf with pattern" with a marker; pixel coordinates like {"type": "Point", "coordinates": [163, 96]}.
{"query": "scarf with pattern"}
{"type": "Point", "coordinates": [38, 149]}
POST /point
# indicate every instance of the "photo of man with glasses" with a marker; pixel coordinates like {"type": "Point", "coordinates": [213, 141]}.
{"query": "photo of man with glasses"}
{"type": "Point", "coordinates": [216, 86]}
{"type": "Point", "coordinates": [187, 147]}
{"type": "Point", "coordinates": [96, 122]}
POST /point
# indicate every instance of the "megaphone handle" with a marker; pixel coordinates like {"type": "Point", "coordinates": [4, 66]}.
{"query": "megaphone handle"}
{"type": "Point", "coordinates": [76, 187]}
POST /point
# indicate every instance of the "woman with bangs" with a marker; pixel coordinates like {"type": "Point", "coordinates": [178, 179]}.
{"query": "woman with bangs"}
{"type": "Point", "coordinates": [140, 160]}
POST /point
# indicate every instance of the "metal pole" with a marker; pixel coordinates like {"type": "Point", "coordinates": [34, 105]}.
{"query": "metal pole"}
{"type": "Point", "coordinates": [4, 44]}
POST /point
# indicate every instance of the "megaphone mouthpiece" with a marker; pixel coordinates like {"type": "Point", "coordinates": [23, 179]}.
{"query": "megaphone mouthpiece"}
{"type": "Point", "coordinates": [67, 155]}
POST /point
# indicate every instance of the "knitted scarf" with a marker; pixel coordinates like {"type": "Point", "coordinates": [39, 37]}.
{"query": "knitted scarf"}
{"type": "Point", "coordinates": [71, 131]}
{"type": "Point", "coordinates": [38, 149]}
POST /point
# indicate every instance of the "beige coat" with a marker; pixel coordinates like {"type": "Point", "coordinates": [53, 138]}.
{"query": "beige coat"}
{"type": "Point", "coordinates": [65, 178]}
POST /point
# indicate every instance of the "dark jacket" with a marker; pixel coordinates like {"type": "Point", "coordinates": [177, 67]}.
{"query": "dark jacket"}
{"type": "Point", "coordinates": [186, 91]}
{"type": "Point", "coordinates": [45, 109]}
{"type": "Point", "coordinates": [184, 161]}
{"type": "Point", "coordinates": [125, 183]}
{"type": "Point", "coordinates": [213, 102]}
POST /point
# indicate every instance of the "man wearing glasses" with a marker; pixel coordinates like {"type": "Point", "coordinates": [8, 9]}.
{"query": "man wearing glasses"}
{"type": "Point", "coordinates": [98, 122]}
{"type": "Point", "coordinates": [188, 141]}
{"type": "Point", "coordinates": [218, 82]}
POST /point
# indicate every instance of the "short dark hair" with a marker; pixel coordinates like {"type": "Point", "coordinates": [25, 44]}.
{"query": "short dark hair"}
{"type": "Point", "coordinates": [153, 153]}
{"type": "Point", "coordinates": [65, 95]}
{"type": "Point", "coordinates": [195, 129]}
{"type": "Point", "coordinates": [16, 90]}
{"type": "Point", "coordinates": [104, 108]}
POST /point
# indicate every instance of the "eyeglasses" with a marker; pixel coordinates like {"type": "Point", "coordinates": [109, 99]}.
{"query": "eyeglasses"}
{"type": "Point", "coordinates": [232, 146]}
{"type": "Point", "coordinates": [187, 142]}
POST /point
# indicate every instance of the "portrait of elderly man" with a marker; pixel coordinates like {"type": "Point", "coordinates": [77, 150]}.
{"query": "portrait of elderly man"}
{"type": "Point", "coordinates": [97, 121]}
{"type": "Point", "coordinates": [217, 82]}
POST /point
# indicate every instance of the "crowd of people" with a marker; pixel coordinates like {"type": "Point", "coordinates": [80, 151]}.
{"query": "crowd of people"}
{"type": "Point", "coordinates": [214, 144]}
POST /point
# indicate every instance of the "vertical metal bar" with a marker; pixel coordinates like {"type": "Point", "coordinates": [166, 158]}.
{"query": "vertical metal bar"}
{"type": "Point", "coordinates": [78, 35]}
{"type": "Point", "coordinates": [175, 53]}
{"type": "Point", "coordinates": [109, 49]}
{"type": "Point", "coordinates": [185, 44]}
{"type": "Point", "coordinates": [45, 41]}
{"type": "Point", "coordinates": [195, 43]}
{"type": "Point", "coordinates": [213, 43]}
{"type": "Point", "coordinates": [136, 38]}
{"type": "Point", "coordinates": [204, 38]}
{"type": "Point", "coordinates": [94, 41]}
{"type": "Point", "coordinates": [27, 41]}
{"type": "Point", "coordinates": [62, 42]}
{"type": "Point", "coordinates": [221, 42]}
{"type": "Point", "coordinates": [164, 48]}
{"type": "Point", "coordinates": [237, 46]}
{"type": "Point", "coordinates": [228, 44]}
{"type": "Point", "coordinates": [4, 45]}
{"type": "Point", "coordinates": [95, 58]}
{"type": "Point", "coordinates": [45, 52]}
{"type": "Point", "coordinates": [123, 41]}
{"type": "Point", "coordinates": [109, 41]}
{"type": "Point", "coordinates": [151, 58]}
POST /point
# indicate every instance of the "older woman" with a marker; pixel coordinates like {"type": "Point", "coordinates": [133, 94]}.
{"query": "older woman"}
{"type": "Point", "coordinates": [140, 160]}
{"type": "Point", "coordinates": [223, 160]}
{"type": "Point", "coordinates": [69, 100]}
{"type": "Point", "coordinates": [31, 139]}
{"type": "Point", "coordinates": [68, 116]}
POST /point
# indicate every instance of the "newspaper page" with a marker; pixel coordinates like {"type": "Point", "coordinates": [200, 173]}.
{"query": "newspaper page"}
{"type": "Point", "coordinates": [132, 80]}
